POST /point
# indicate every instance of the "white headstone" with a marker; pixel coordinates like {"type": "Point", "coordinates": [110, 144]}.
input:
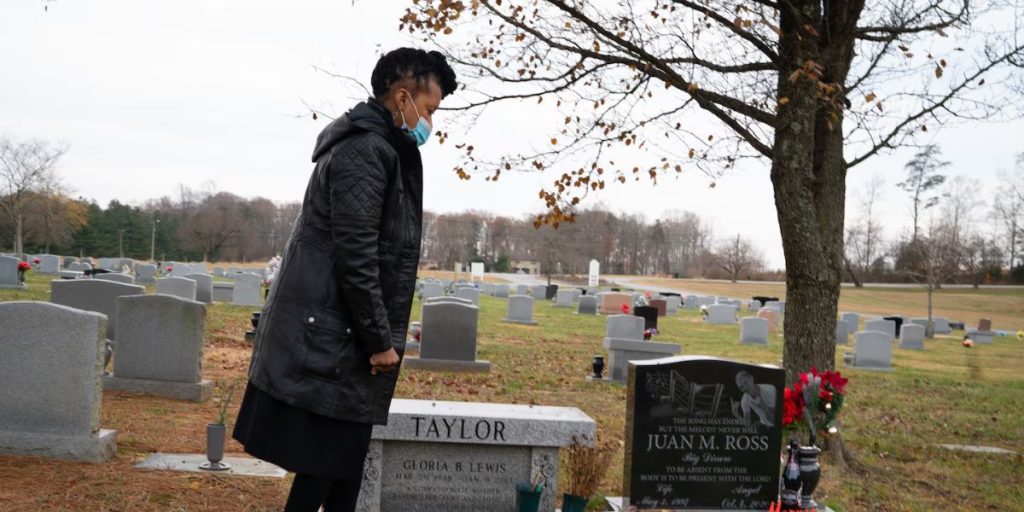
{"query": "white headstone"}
{"type": "Point", "coordinates": [594, 278]}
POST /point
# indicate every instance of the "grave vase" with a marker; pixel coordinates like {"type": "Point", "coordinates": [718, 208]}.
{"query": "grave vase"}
{"type": "Point", "coordinates": [527, 498]}
{"type": "Point", "coordinates": [810, 474]}
{"type": "Point", "coordinates": [215, 437]}
{"type": "Point", "coordinates": [598, 367]}
{"type": "Point", "coordinates": [573, 503]}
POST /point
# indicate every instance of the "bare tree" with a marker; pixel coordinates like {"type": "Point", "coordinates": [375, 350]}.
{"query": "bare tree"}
{"type": "Point", "coordinates": [26, 170]}
{"type": "Point", "coordinates": [923, 181]}
{"type": "Point", "coordinates": [648, 88]}
{"type": "Point", "coordinates": [933, 260]}
{"type": "Point", "coordinates": [737, 255]}
{"type": "Point", "coordinates": [1008, 209]}
{"type": "Point", "coordinates": [864, 236]}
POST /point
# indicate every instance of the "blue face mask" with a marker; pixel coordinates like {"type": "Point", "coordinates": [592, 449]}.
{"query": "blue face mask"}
{"type": "Point", "coordinates": [422, 130]}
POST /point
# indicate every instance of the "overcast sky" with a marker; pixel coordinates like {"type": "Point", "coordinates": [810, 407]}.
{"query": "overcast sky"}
{"type": "Point", "coordinates": [152, 94]}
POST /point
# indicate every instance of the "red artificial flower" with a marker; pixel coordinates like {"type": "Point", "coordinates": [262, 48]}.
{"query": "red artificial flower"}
{"type": "Point", "coordinates": [793, 405]}
{"type": "Point", "coordinates": [169, 269]}
{"type": "Point", "coordinates": [24, 266]}
{"type": "Point", "coordinates": [834, 381]}
{"type": "Point", "coordinates": [625, 309]}
{"type": "Point", "coordinates": [36, 260]}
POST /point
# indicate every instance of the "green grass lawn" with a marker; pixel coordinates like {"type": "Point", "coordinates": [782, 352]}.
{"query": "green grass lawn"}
{"type": "Point", "coordinates": [946, 394]}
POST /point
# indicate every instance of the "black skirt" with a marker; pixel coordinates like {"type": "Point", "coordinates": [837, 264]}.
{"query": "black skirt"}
{"type": "Point", "coordinates": [300, 441]}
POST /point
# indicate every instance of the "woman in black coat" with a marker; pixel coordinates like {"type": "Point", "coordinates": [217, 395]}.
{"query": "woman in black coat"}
{"type": "Point", "coordinates": [332, 333]}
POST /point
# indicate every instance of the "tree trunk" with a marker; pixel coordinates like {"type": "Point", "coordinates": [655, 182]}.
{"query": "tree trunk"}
{"type": "Point", "coordinates": [19, 246]}
{"type": "Point", "coordinates": [930, 328]}
{"type": "Point", "coordinates": [853, 275]}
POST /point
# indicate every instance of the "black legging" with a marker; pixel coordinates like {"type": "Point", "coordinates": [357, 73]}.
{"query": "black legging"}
{"type": "Point", "coordinates": [309, 493]}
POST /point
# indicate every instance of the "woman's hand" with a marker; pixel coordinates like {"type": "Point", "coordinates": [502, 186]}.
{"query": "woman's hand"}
{"type": "Point", "coordinates": [384, 361]}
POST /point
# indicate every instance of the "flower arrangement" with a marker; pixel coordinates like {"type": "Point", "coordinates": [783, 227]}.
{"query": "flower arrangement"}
{"type": "Point", "coordinates": [36, 261]}
{"type": "Point", "coordinates": [814, 402]}
{"type": "Point", "coordinates": [169, 269]}
{"type": "Point", "coordinates": [23, 267]}
{"type": "Point", "coordinates": [649, 333]}
{"type": "Point", "coordinates": [625, 309]}
{"type": "Point", "coordinates": [967, 343]}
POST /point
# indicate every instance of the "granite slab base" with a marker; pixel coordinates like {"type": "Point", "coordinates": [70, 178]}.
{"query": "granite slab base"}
{"type": "Point", "coordinates": [13, 287]}
{"type": "Point", "coordinates": [189, 462]}
{"type": "Point", "coordinates": [615, 505]}
{"type": "Point", "coordinates": [99, 447]}
{"type": "Point", "coordinates": [412, 346]}
{"type": "Point", "coordinates": [988, 450]}
{"type": "Point", "coordinates": [446, 365]}
{"type": "Point", "coordinates": [606, 380]}
{"type": "Point", "coordinates": [190, 391]}
{"type": "Point", "coordinates": [871, 368]}
{"type": "Point", "coordinates": [510, 321]}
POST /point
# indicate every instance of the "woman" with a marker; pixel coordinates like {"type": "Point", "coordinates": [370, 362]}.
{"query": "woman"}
{"type": "Point", "coordinates": [332, 333]}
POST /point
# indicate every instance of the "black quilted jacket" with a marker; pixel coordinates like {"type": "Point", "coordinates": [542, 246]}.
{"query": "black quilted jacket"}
{"type": "Point", "coordinates": [345, 287]}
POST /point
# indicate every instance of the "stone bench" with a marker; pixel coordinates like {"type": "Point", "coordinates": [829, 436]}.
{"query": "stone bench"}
{"type": "Point", "coordinates": [461, 456]}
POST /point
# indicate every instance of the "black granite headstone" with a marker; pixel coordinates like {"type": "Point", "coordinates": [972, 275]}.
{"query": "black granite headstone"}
{"type": "Point", "coordinates": [649, 314]}
{"type": "Point", "coordinates": [702, 434]}
{"type": "Point", "coordinates": [551, 292]}
{"type": "Point", "coordinates": [764, 300]}
{"type": "Point", "coordinates": [898, 320]}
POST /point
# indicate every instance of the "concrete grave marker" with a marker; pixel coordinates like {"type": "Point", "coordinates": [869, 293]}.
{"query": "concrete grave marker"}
{"type": "Point", "coordinates": [448, 338]}
{"type": "Point", "coordinates": [721, 314]}
{"type": "Point", "coordinates": [612, 302]}
{"type": "Point", "coordinates": [223, 292]}
{"type": "Point", "coordinates": [9, 272]}
{"type": "Point", "coordinates": [520, 310]}
{"type": "Point", "coordinates": [204, 287]}
{"type": "Point", "coordinates": [247, 290]}
{"type": "Point", "coordinates": [94, 295]}
{"type": "Point", "coordinates": [160, 348]}
{"type": "Point", "coordinates": [436, 456]}
{"type": "Point", "coordinates": [563, 299]}
{"type": "Point", "coordinates": [51, 359]}
{"type": "Point", "coordinates": [624, 340]}
{"type": "Point", "coordinates": [884, 326]}
{"type": "Point", "coordinates": [469, 293]}
{"type": "Point", "coordinates": [587, 305]}
{"type": "Point", "coordinates": [912, 337]}
{"type": "Point", "coordinates": [176, 286]}
{"type": "Point", "coordinates": [145, 273]}
{"type": "Point", "coordinates": [116, 277]}
{"type": "Point", "coordinates": [754, 330]}
{"type": "Point", "coordinates": [873, 351]}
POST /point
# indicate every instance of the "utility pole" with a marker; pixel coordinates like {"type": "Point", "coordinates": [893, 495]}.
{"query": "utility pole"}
{"type": "Point", "coordinates": [152, 241]}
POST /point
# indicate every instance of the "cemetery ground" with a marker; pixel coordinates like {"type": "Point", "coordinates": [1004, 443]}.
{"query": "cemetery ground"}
{"type": "Point", "coordinates": [892, 422]}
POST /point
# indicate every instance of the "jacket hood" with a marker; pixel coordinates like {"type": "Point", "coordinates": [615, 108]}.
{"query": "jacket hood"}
{"type": "Point", "coordinates": [370, 115]}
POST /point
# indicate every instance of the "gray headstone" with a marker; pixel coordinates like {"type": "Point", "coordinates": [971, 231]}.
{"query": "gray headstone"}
{"type": "Point", "coordinates": [436, 456]}
{"type": "Point", "coordinates": [116, 277]}
{"type": "Point", "coordinates": [912, 336]}
{"type": "Point", "coordinates": [431, 290]}
{"type": "Point", "coordinates": [754, 330]}
{"type": "Point", "coordinates": [204, 287]}
{"type": "Point", "coordinates": [984, 337]}
{"type": "Point", "coordinates": [886, 326]}
{"type": "Point", "coordinates": [448, 338]}
{"type": "Point", "coordinates": [873, 350]}
{"type": "Point", "coordinates": [539, 292]}
{"type": "Point", "coordinates": [9, 272]}
{"type": "Point", "coordinates": [49, 264]}
{"type": "Point", "coordinates": [145, 273]}
{"type": "Point", "coordinates": [522, 289]}
{"type": "Point", "coordinates": [721, 314]}
{"type": "Point", "coordinates": [672, 305]}
{"type": "Point", "coordinates": [469, 293]}
{"type": "Point", "coordinates": [691, 302]}
{"type": "Point", "coordinates": [247, 290]}
{"type": "Point", "coordinates": [94, 295]}
{"type": "Point", "coordinates": [449, 299]}
{"type": "Point", "coordinates": [160, 347]}
{"type": "Point", "coordinates": [67, 261]}
{"type": "Point", "coordinates": [51, 360]}
{"type": "Point", "coordinates": [223, 292]}
{"type": "Point", "coordinates": [842, 332]}
{"type": "Point", "coordinates": [625, 327]}
{"type": "Point", "coordinates": [218, 271]}
{"type": "Point", "coordinates": [941, 325]}
{"type": "Point", "coordinates": [177, 286]}
{"type": "Point", "coordinates": [81, 266]}
{"type": "Point", "coordinates": [520, 310]}
{"type": "Point", "coordinates": [501, 291]}
{"type": "Point", "coordinates": [588, 305]}
{"type": "Point", "coordinates": [563, 299]}
{"type": "Point", "coordinates": [852, 321]}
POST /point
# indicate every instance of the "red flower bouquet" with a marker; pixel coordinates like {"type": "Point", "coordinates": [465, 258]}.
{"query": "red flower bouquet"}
{"type": "Point", "coordinates": [814, 403]}
{"type": "Point", "coordinates": [625, 309]}
{"type": "Point", "coordinates": [23, 266]}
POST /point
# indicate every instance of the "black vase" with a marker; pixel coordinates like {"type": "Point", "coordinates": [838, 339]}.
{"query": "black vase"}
{"type": "Point", "coordinates": [598, 367]}
{"type": "Point", "coordinates": [810, 474]}
{"type": "Point", "coordinates": [255, 319]}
